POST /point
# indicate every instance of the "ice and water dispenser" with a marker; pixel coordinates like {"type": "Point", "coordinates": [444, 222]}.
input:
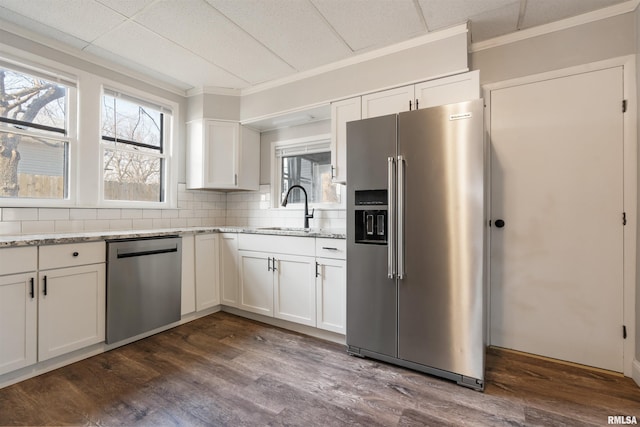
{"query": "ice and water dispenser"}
{"type": "Point", "coordinates": [371, 217]}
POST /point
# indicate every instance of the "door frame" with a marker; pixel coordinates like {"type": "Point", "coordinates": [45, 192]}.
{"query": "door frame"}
{"type": "Point", "coordinates": [631, 368]}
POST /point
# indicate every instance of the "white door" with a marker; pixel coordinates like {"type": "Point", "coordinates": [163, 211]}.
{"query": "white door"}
{"type": "Point", "coordinates": [71, 311]}
{"type": "Point", "coordinates": [221, 152]}
{"type": "Point", "coordinates": [331, 295]}
{"type": "Point", "coordinates": [390, 101]}
{"type": "Point", "coordinates": [229, 269]}
{"type": "Point", "coordinates": [256, 282]}
{"type": "Point", "coordinates": [18, 327]}
{"type": "Point", "coordinates": [557, 183]}
{"type": "Point", "coordinates": [294, 289]}
{"type": "Point", "coordinates": [448, 90]}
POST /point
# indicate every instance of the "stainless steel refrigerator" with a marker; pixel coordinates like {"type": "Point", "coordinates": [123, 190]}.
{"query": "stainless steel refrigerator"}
{"type": "Point", "coordinates": [415, 240]}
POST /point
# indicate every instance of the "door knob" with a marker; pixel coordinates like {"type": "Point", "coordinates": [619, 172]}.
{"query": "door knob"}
{"type": "Point", "coordinates": [499, 223]}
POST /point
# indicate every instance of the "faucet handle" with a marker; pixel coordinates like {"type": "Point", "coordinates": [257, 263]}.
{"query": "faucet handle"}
{"type": "Point", "coordinates": [311, 214]}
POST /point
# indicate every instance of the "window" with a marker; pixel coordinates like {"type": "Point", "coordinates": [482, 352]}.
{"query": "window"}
{"type": "Point", "coordinates": [307, 164]}
{"type": "Point", "coordinates": [134, 149]}
{"type": "Point", "coordinates": [34, 135]}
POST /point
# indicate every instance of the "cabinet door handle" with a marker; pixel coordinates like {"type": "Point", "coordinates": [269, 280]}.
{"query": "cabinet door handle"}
{"type": "Point", "coordinates": [235, 179]}
{"type": "Point", "coordinates": [417, 100]}
{"type": "Point", "coordinates": [32, 291]}
{"type": "Point", "coordinates": [332, 172]}
{"type": "Point", "coordinates": [317, 267]}
{"type": "Point", "coordinates": [274, 264]}
{"type": "Point", "coordinates": [269, 264]}
{"type": "Point", "coordinates": [44, 288]}
{"type": "Point", "coordinates": [409, 105]}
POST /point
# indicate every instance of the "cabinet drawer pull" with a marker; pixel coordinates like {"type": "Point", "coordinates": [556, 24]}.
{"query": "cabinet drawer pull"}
{"type": "Point", "coordinates": [32, 291]}
{"type": "Point", "coordinates": [274, 264]}
{"type": "Point", "coordinates": [44, 288]}
{"type": "Point", "coordinates": [269, 264]}
{"type": "Point", "coordinates": [317, 267]}
{"type": "Point", "coordinates": [76, 253]}
{"type": "Point", "coordinates": [329, 248]}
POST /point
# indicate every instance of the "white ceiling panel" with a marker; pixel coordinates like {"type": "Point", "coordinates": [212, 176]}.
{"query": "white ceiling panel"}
{"type": "Point", "coordinates": [540, 12]}
{"type": "Point", "coordinates": [84, 19]}
{"type": "Point", "coordinates": [365, 24]}
{"type": "Point", "coordinates": [495, 22]}
{"type": "Point", "coordinates": [294, 30]}
{"type": "Point", "coordinates": [126, 7]}
{"type": "Point", "coordinates": [198, 27]}
{"type": "Point", "coordinates": [445, 13]}
{"type": "Point", "coordinates": [141, 46]}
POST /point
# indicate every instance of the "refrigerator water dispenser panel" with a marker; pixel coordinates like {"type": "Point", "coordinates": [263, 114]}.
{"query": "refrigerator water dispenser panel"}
{"type": "Point", "coordinates": [371, 226]}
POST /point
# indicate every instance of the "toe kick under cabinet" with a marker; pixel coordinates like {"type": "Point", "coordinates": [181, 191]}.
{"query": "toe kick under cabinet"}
{"type": "Point", "coordinates": [52, 306]}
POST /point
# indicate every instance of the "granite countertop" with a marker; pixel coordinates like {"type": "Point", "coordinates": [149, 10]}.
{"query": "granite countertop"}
{"type": "Point", "coordinates": [60, 238]}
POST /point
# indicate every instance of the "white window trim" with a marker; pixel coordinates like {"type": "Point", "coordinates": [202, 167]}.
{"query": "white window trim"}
{"type": "Point", "coordinates": [71, 83]}
{"type": "Point", "coordinates": [276, 172]}
{"type": "Point", "coordinates": [170, 138]}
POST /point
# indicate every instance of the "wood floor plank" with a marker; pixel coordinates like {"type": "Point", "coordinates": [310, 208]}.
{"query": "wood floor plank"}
{"type": "Point", "coordinates": [227, 370]}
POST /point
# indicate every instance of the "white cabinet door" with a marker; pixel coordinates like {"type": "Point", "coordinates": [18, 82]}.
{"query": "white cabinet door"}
{"type": "Point", "coordinates": [229, 269]}
{"type": "Point", "coordinates": [387, 102]}
{"type": "Point", "coordinates": [256, 282]}
{"type": "Point", "coordinates": [331, 294]}
{"type": "Point", "coordinates": [294, 289]}
{"type": "Point", "coordinates": [188, 295]}
{"type": "Point", "coordinates": [18, 321]}
{"type": "Point", "coordinates": [342, 112]}
{"type": "Point", "coordinates": [448, 90]}
{"type": "Point", "coordinates": [221, 154]}
{"type": "Point", "coordinates": [71, 309]}
{"type": "Point", "coordinates": [207, 254]}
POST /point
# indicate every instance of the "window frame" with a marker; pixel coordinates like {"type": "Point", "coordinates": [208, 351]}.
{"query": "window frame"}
{"type": "Point", "coordinates": [166, 152]}
{"type": "Point", "coordinates": [276, 174]}
{"type": "Point", "coordinates": [68, 136]}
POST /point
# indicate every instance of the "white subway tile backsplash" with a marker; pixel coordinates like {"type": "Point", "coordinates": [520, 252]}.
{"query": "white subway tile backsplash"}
{"type": "Point", "coordinates": [142, 224]}
{"type": "Point", "coordinates": [131, 213]}
{"type": "Point", "coordinates": [152, 214]}
{"type": "Point", "coordinates": [83, 214]}
{"type": "Point", "coordinates": [109, 214]}
{"type": "Point", "coordinates": [120, 224]}
{"type": "Point", "coordinates": [161, 223]}
{"type": "Point", "coordinates": [20, 214]}
{"type": "Point", "coordinates": [10, 227]}
{"type": "Point", "coordinates": [67, 226]}
{"type": "Point", "coordinates": [53, 214]}
{"type": "Point", "coordinates": [38, 227]}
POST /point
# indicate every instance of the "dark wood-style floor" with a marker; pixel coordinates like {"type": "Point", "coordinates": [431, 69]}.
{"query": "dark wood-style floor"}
{"type": "Point", "coordinates": [228, 371]}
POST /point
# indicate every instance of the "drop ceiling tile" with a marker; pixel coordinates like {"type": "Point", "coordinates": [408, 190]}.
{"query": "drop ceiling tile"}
{"type": "Point", "coordinates": [83, 19]}
{"type": "Point", "coordinates": [138, 45]}
{"type": "Point", "coordinates": [126, 7]}
{"type": "Point", "coordinates": [294, 30]}
{"type": "Point", "coordinates": [539, 12]}
{"type": "Point", "coordinates": [199, 28]}
{"type": "Point", "coordinates": [37, 28]}
{"type": "Point", "coordinates": [445, 13]}
{"type": "Point", "coordinates": [365, 24]}
{"type": "Point", "coordinates": [494, 23]}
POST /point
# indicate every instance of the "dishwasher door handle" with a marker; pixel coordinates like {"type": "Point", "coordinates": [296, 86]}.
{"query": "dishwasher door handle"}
{"type": "Point", "coordinates": [143, 253]}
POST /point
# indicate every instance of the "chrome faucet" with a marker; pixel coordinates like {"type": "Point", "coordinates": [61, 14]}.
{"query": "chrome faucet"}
{"type": "Point", "coordinates": [306, 205]}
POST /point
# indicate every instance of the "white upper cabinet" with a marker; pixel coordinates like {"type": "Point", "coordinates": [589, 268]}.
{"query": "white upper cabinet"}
{"type": "Point", "coordinates": [342, 112]}
{"type": "Point", "coordinates": [447, 90]}
{"type": "Point", "coordinates": [390, 101]}
{"type": "Point", "coordinates": [222, 155]}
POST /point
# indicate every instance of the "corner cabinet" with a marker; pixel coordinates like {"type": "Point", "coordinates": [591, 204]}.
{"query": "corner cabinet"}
{"type": "Point", "coordinates": [207, 253]}
{"type": "Point", "coordinates": [222, 155]}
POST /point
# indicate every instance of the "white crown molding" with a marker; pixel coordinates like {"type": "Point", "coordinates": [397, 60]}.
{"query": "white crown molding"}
{"type": "Point", "coordinates": [607, 12]}
{"type": "Point", "coordinates": [213, 90]}
{"type": "Point", "coordinates": [415, 42]}
{"type": "Point", "coordinates": [86, 56]}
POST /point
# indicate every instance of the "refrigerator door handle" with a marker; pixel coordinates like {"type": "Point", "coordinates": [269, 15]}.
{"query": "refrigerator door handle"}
{"type": "Point", "coordinates": [400, 220]}
{"type": "Point", "coordinates": [391, 197]}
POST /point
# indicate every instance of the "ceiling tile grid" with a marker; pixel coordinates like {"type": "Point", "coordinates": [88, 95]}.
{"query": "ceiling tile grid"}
{"type": "Point", "coordinates": [240, 43]}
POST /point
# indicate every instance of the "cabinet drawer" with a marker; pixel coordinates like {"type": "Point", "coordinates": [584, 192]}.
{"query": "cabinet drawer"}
{"type": "Point", "coordinates": [18, 260]}
{"type": "Point", "coordinates": [72, 254]}
{"type": "Point", "coordinates": [331, 248]}
{"type": "Point", "coordinates": [277, 244]}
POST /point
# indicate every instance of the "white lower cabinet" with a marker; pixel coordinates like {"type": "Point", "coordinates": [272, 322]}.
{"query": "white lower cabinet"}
{"type": "Point", "coordinates": [256, 282]}
{"type": "Point", "coordinates": [188, 281]}
{"type": "Point", "coordinates": [71, 312]}
{"type": "Point", "coordinates": [18, 320]}
{"type": "Point", "coordinates": [294, 289]}
{"type": "Point", "coordinates": [229, 269]}
{"type": "Point", "coordinates": [207, 250]}
{"type": "Point", "coordinates": [331, 294]}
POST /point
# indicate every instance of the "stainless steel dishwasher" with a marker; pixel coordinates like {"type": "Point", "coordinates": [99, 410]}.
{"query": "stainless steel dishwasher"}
{"type": "Point", "coordinates": [143, 285]}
